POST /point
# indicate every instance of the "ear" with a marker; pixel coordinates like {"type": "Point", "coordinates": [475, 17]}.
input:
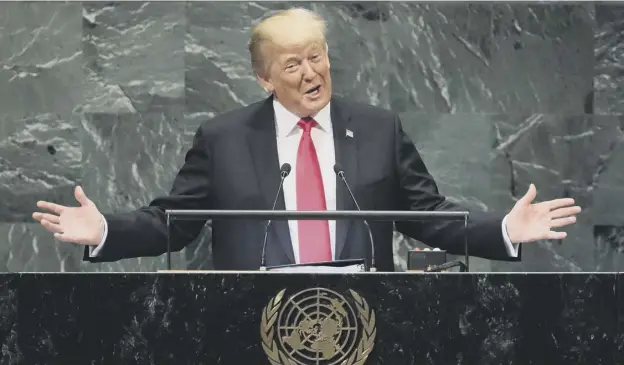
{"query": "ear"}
{"type": "Point", "coordinates": [266, 84]}
{"type": "Point", "coordinates": [327, 55]}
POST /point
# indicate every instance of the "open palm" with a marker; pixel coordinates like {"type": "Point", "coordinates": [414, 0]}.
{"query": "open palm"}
{"type": "Point", "coordinates": [528, 222]}
{"type": "Point", "coordinates": [83, 225]}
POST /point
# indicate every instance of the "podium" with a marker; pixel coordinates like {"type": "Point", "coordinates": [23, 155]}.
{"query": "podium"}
{"type": "Point", "coordinates": [266, 318]}
{"type": "Point", "coordinates": [274, 318]}
{"type": "Point", "coordinates": [271, 215]}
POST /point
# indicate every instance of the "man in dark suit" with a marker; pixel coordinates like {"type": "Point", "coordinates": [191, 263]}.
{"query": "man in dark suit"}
{"type": "Point", "coordinates": [235, 161]}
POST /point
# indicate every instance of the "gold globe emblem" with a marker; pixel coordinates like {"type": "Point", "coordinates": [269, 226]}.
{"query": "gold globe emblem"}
{"type": "Point", "coordinates": [317, 326]}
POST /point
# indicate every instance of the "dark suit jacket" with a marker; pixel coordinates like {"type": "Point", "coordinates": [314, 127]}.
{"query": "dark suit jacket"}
{"type": "Point", "coordinates": [233, 164]}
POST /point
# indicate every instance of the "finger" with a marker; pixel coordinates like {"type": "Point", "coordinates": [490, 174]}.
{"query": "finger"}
{"type": "Point", "coordinates": [558, 203]}
{"type": "Point", "coordinates": [564, 212]}
{"type": "Point", "coordinates": [562, 222]}
{"type": "Point", "coordinates": [54, 208]}
{"type": "Point", "coordinates": [552, 235]}
{"type": "Point", "coordinates": [54, 228]}
{"type": "Point", "coordinates": [48, 217]}
{"type": "Point", "coordinates": [80, 196]}
{"type": "Point", "coordinates": [529, 196]}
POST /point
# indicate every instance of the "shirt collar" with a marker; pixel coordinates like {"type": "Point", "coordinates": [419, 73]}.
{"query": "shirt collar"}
{"type": "Point", "coordinates": [286, 121]}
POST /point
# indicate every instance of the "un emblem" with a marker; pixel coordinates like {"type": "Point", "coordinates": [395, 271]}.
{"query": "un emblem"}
{"type": "Point", "coordinates": [317, 326]}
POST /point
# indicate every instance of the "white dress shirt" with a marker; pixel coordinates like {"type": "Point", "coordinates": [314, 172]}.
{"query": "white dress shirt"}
{"type": "Point", "coordinates": [288, 134]}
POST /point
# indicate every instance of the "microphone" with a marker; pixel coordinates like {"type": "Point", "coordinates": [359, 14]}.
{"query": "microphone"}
{"type": "Point", "coordinates": [284, 171]}
{"type": "Point", "coordinates": [340, 172]}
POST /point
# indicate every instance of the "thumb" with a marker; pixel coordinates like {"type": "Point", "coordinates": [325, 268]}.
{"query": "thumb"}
{"type": "Point", "coordinates": [529, 196]}
{"type": "Point", "coordinates": [80, 196]}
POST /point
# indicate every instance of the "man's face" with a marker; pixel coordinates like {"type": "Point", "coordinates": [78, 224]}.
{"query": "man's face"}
{"type": "Point", "coordinates": [299, 77]}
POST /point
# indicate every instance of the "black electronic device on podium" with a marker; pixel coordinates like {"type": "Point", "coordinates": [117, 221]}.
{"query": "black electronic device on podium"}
{"type": "Point", "coordinates": [268, 215]}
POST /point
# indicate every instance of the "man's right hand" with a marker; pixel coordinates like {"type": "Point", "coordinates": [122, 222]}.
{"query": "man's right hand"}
{"type": "Point", "coordinates": [83, 225]}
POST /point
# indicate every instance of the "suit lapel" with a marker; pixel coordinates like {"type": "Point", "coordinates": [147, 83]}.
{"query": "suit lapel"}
{"type": "Point", "coordinates": [262, 143]}
{"type": "Point", "coordinates": [346, 155]}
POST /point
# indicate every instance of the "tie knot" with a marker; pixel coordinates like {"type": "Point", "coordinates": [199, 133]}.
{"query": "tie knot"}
{"type": "Point", "coordinates": [306, 124]}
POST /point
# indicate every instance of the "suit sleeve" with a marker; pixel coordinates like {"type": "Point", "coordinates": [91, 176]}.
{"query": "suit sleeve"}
{"type": "Point", "coordinates": [143, 232]}
{"type": "Point", "coordinates": [418, 191]}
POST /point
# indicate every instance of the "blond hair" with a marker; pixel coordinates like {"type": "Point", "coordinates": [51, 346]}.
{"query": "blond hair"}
{"type": "Point", "coordinates": [292, 27]}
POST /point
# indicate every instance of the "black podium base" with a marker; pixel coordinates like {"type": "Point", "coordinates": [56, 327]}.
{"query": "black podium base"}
{"type": "Point", "coordinates": [234, 319]}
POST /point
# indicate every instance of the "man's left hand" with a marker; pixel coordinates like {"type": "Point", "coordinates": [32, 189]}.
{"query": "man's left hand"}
{"type": "Point", "coordinates": [528, 222]}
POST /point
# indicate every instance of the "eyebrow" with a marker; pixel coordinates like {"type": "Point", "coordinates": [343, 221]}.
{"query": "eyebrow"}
{"type": "Point", "coordinates": [316, 49]}
{"type": "Point", "coordinates": [290, 59]}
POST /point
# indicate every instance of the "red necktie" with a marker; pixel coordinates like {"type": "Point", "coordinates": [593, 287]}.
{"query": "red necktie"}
{"type": "Point", "coordinates": [314, 243]}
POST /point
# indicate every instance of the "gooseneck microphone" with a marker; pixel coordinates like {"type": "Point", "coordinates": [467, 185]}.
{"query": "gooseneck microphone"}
{"type": "Point", "coordinates": [284, 172]}
{"type": "Point", "coordinates": [340, 172]}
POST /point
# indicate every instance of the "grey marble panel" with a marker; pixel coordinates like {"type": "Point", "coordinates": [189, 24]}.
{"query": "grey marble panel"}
{"type": "Point", "coordinates": [457, 150]}
{"type": "Point", "coordinates": [39, 160]}
{"type": "Point", "coordinates": [131, 50]}
{"type": "Point", "coordinates": [41, 78]}
{"type": "Point", "coordinates": [29, 247]}
{"type": "Point", "coordinates": [130, 159]}
{"type": "Point", "coordinates": [609, 53]}
{"type": "Point", "coordinates": [541, 58]}
{"type": "Point", "coordinates": [40, 59]}
{"type": "Point", "coordinates": [217, 71]}
{"type": "Point", "coordinates": [609, 241]}
{"type": "Point", "coordinates": [608, 196]}
{"type": "Point", "coordinates": [133, 120]}
{"type": "Point", "coordinates": [459, 57]}
{"type": "Point", "coordinates": [360, 62]}
{"type": "Point", "coordinates": [438, 55]}
{"type": "Point", "coordinates": [609, 181]}
{"type": "Point", "coordinates": [487, 161]}
{"type": "Point", "coordinates": [562, 156]}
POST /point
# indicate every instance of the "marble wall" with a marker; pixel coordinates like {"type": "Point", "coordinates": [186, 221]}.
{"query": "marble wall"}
{"type": "Point", "coordinates": [495, 95]}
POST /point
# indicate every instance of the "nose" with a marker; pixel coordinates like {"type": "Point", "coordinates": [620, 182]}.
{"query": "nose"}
{"type": "Point", "coordinates": [307, 71]}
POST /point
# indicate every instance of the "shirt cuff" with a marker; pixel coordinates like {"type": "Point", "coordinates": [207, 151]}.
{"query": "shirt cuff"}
{"type": "Point", "coordinates": [95, 250]}
{"type": "Point", "coordinates": [512, 248]}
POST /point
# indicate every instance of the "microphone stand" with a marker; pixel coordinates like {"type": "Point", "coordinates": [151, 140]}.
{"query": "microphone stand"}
{"type": "Point", "coordinates": [285, 171]}
{"type": "Point", "coordinates": [341, 174]}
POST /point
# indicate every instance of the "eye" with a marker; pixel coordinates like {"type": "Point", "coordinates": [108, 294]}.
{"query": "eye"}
{"type": "Point", "coordinates": [291, 68]}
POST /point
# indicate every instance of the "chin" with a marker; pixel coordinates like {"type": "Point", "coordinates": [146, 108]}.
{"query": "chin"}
{"type": "Point", "coordinates": [313, 108]}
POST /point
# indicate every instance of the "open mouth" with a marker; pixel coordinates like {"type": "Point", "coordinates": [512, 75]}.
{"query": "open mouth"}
{"type": "Point", "coordinates": [314, 90]}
